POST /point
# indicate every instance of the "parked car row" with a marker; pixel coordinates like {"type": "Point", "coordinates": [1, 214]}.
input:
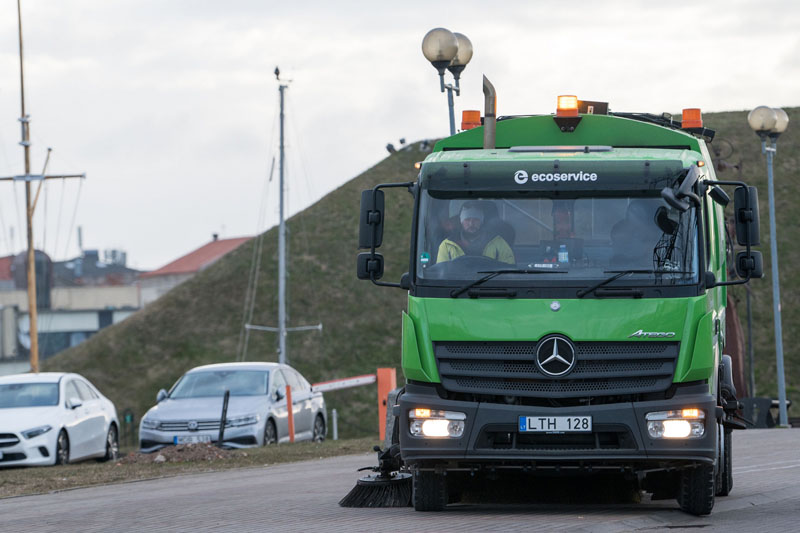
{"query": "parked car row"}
{"type": "Point", "coordinates": [56, 418]}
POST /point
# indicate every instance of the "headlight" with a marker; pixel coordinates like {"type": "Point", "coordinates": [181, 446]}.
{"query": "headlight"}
{"type": "Point", "coordinates": [35, 432]}
{"type": "Point", "coordinates": [149, 423]}
{"type": "Point", "coordinates": [682, 424]}
{"type": "Point", "coordinates": [246, 420]}
{"type": "Point", "coordinates": [425, 422]}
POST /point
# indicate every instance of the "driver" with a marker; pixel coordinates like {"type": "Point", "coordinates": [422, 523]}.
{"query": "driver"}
{"type": "Point", "coordinates": [475, 238]}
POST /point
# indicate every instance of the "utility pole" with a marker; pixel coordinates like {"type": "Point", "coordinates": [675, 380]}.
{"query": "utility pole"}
{"type": "Point", "coordinates": [281, 251]}
{"type": "Point", "coordinates": [281, 330]}
{"type": "Point", "coordinates": [30, 206]}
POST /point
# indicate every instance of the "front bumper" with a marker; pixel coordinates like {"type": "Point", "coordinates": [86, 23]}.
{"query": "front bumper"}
{"type": "Point", "coordinates": [38, 451]}
{"type": "Point", "coordinates": [619, 437]}
{"type": "Point", "coordinates": [151, 440]}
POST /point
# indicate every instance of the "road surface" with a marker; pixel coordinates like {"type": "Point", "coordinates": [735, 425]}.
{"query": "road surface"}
{"type": "Point", "coordinates": [304, 496]}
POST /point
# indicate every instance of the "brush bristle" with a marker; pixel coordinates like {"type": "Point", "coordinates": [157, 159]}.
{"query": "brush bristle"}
{"type": "Point", "coordinates": [394, 494]}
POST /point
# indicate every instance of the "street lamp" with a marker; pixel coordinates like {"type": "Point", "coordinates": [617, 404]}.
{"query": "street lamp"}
{"type": "Point", "coordinates": [452, 51]}
{"type": "Point", "coordinates": [769, 123]}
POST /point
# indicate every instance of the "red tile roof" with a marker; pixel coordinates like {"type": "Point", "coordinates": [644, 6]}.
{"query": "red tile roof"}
{"type": "Point", "coordinates": [198, 259]}
{"type": "Point", "coordinates": [5, 267]}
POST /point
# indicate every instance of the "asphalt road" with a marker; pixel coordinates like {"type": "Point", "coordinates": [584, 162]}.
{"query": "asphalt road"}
{"type": "Point", "coordinates": [304, 496]}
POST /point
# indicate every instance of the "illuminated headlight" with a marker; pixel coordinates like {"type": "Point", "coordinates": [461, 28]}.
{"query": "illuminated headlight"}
{"type": "Point", "coordinates": [149, 423]}
{"type": "Point", "coordinates": [436, 424]}
{"type": "Point", "coordinates": [246, 420]}
{"type": "Point", "coordinates": [682, 424]}
{"type": "Point", "coordinates": [35, 432]}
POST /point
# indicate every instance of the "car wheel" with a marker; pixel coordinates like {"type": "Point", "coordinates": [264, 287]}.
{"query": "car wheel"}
{"type": "Point", "coordinates": [62, 448]}
{"type": "Point", "coordinates": [270, 433]}
{"type": "Point", "coordinates": [112, 444]}
{"type": "Point", "coordinates": [319, 429]}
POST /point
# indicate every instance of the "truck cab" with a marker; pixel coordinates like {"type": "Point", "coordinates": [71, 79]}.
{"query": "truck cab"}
{"type": "Point", "coordinates": [566, 304]}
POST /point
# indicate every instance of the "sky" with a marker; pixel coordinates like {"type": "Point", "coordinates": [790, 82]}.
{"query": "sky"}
{"type": "Point", "coordinates": [170, 107]}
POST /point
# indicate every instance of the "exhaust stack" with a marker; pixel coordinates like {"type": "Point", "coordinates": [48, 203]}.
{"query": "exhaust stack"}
{"type": "Point", "coordinates": [490, 114]}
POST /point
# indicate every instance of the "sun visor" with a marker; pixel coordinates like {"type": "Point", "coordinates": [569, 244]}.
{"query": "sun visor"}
{"type": "Point", "coordinates": [542, 177]}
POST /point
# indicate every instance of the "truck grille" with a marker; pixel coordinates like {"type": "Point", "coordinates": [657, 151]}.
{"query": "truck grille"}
{"type": "Point", "coordinates": [601, 369]}
{"type": "Point", "coordinates": [605, 437]}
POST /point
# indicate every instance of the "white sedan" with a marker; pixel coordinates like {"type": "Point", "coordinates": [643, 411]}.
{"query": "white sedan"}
{"type": "Point", "coordinates": [54, 418]}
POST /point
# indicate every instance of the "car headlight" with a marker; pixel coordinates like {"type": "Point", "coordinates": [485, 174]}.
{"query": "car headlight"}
{"type": "Point", "coordinates": [681, 424]}
{"type": "Point", "coordinates": [245, 420]}
{"type": "Point", "coordinates": [432, 423]}
{"type": "Point", "coordinates": [150, 423]}
{"type": "Point", "coordinates": [35, 432]}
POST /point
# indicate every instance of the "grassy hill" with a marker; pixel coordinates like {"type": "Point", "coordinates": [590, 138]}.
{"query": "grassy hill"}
{"type": "Point", "coordinates": [200, 321]}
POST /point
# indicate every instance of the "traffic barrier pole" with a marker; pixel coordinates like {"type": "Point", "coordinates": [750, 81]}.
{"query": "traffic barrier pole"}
{"type": "Point", "coordinates": [335, 417]}
{"type": "Point", "coordinates": [290, 410]}
{"type": "Point", "coordinates": [387, 382]}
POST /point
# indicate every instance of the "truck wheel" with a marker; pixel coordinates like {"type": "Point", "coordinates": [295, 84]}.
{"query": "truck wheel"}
{"type": "Point", "coordinates": [725, 473]}
{"type": "Point", "coordinates": [430, 491]}
{"type": "Point", "coordinates": [696, 491]}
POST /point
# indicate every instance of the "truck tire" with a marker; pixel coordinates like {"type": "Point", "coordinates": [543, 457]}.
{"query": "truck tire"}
{"type": "Point", "coordinates": [696, 491]}
{"type": "Point", "coordinates": [725, 472]}
{"type": "Point", "coordinates": [430, 491]}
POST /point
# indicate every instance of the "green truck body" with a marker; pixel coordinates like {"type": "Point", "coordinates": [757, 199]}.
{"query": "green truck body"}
{"type": "Point", "coordinates": [573, 358]}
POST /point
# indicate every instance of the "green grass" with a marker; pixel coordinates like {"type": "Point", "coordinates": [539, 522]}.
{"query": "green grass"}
{"type": "Point", "coordinates": [200, 321]}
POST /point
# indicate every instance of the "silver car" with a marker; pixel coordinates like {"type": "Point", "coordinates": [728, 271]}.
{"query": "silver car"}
{"type": "Point", "coordinates": [257, 412]}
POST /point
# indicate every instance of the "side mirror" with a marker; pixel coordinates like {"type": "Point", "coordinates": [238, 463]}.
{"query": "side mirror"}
{"type": "Point", "coordinates": [750, 265]}
{"type": "Point", "coordinates": [278, 395]}
{"type": "Point", "coordinates": [370, 230]}
{"type": "Point", "coordinates": [74, 403]}
{"type": "Point", "coordinates": [720, 196]}
{"type": "Point", "coordinates": [369, 266]}
{"type": "Point", "coordinates": [162, 394]}
{"type": "Point", "coordinates": [745, 202]}
{"type": "Point", "coordinates": [710, 280]}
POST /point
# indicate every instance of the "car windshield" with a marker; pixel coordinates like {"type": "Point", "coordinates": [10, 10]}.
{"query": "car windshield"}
{"type": "Point", "coordinates": [216, 382]}
{"type": "Point", "coordinates": [28, 395]}
{"type": "Point", "coordinates": [580, 238]}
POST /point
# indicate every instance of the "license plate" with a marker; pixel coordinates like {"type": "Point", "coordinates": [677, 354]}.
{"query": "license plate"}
{"type": "Point", "coordinates": [191, 439]}
{"type": "Point", "coordinates": [555, 424]}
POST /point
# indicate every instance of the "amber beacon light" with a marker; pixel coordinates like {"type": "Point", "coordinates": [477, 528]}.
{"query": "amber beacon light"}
{"type": "Point", "coordinates": [567, 106]}
{"type": "Point", "coordinates": [470, 119]}
{"type": "Point", "coordinates": [691, 118]}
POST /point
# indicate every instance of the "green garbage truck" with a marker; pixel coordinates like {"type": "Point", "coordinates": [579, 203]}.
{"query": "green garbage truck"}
{"type": "Point", "coordinates": [566, 303]}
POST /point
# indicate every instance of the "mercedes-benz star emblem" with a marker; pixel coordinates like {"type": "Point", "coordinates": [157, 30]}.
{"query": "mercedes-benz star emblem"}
{"type": "Point", "coordinates": [555, 355]}
{"type": "Point", "coordinates": [192, 425]}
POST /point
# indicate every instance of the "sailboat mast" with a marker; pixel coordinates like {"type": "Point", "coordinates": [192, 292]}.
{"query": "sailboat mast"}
{"type": "Point", "coordinates": [282, 252]}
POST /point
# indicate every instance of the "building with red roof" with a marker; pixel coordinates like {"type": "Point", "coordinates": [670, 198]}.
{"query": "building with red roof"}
{"type": "Point", "coordinates": [154, 284]}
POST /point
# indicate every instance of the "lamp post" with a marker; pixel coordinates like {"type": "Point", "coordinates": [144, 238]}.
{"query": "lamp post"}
{"type": "Point", "coordinates": [452, 51]}
{"type": "Point", "coordinates": [769, 123]}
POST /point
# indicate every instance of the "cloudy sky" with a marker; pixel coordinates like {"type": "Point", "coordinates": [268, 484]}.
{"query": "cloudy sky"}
{"type": "Point", "coordinates": [170, 106]}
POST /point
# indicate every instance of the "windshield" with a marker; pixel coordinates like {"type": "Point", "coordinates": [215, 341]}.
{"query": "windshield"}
{"type": "Point", "coordinates": [215, 383]}
{"type": "Point", "coordinates": [28, 395]}
{"type": "Point", "coordinates": [572, 239]}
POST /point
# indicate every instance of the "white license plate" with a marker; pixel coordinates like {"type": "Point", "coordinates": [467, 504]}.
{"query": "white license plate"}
{"type": "Point", "coordinates": [555, 424]}
{"type": "Point", "coordinates": [191, 439]}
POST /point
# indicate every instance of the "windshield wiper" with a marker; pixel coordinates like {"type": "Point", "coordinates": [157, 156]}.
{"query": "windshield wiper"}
{"type": "Point", "coordinates": [455, 293]}
{"type": "Point", "coordinates": [619, 273]}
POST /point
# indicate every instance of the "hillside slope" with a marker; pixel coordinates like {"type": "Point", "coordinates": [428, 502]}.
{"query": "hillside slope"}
{"type": "Point", "coordinates": [200, 321]}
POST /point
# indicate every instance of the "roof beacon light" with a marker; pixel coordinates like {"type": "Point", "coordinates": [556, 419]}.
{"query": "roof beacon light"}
{"type": "Point", "coordinates": [691, 118]}
{"type": "Point", "coordinates": [470, 119]}
{"type": "Point", "coordinates": [567, 106]}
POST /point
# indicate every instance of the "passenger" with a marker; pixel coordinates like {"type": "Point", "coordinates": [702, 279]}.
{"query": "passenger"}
{"type": "Point", "coordinates": [475, 239]}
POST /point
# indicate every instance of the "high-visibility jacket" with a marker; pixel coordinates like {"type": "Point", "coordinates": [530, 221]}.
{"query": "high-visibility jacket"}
{"type": "Point", "coordinates": [497, 248]}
